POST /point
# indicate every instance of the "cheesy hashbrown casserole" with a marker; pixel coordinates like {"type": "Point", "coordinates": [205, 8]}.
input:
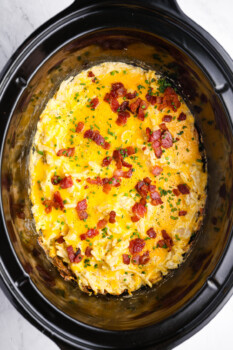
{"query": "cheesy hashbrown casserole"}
{"type": "Point", "coordinates": [117, 181]}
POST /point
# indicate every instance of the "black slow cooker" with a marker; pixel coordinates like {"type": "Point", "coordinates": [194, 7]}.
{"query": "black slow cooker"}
{"type": "Point", "coordinates": [86, 33]}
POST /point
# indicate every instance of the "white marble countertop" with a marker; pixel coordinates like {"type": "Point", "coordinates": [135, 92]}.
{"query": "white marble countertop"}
{"type": "Point", "coordinates": [18, 19]}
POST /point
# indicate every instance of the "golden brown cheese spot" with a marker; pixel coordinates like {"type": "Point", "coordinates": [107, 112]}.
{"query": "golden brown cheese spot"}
{"type": "Point", "coordinates": [78, 107]}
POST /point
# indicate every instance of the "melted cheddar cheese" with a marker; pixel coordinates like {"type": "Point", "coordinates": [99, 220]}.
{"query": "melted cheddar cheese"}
{"type": "Point", "coordinates": [121, 255]}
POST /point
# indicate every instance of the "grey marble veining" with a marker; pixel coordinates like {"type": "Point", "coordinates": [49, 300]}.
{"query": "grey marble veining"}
{"type": "Point", "coordinates": [18, 19]}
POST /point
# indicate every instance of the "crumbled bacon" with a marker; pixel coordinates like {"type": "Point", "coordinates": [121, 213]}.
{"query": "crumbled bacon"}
{"type": "Point", "coordinates": [80, 127]}
{"type": "Point", "coordinates": [90, 74]}
{"type": "Point", "coordinates": [153, 99]}
{"type": "Point", "coordinates": [156, 170]}
{"type": "Point", "coordinates": [57, 201]}
{"type": "Point", "coordinates": [97, 138]}
{"type": "Point", "coordinates": [135, 105]}
{"type": "Point", "coordinates": [153, 135]}
{"type": "Point", "coordinates": [94, 103]}
{"type": "Point", "coordinates": [114, 104]}
{"type": "Point", "coordinates": [66, 182]}
{"type": "Point", "coordinates": [167, 118]}
{"type": "Point", "coordinates": [176, 192]}
{"type": "Point", "coordinates": [66, 152]}
{"type": "Point", "coordinates": [88, 251]}
{"type": "Point", "coordinates": [182, 213]}
{"type": "Point", "coordinates": [166, 140]}
{"type": "Point", "coordinates": [122, 118]}
{"type": "Point", "coordinates": [183, 188]}
{"type": "Point", "coordinates": [120, 154]}
{"type": "Point", "coordinates": [48, 205]}
{"type": "Point", "coordinates": [156, 199]}
{"type": "Point", "coordinates": [182, 116]}
{"type": "Point", "coordinates": [135, 259]}
{"type": "Point", "coordinates": [106, 161]}
{"type": "Point", "coordinates": [163, 126]}
{"type": "Point", "coordinates": [60, 240]}
{"type": "Point", "coordinates": [126, 259]}
{"type": "Point", "coordinates": [112, 217]}
{"type": "Point", "coordinates": [55, 179]}
{"type": "Point", "coordinates": [89, 234]}
{"type": "Point", "coordinates": [123, 106]}
{"type": "Point", "coordinates": [136, 245]}
{"type": "Point", "coordinates": [70, 252]}
{"type": "Point", "coordinates": [131, 95]}
{"type": "Point", "coordinates": [118, 89]}
{"type": "Point", "coordinates": [141, 111]}
{"type": "Point", "coordinates": [96, 181]}
{"type": "Point", "coordinates": [102, 223]}
{"type": "Point", "coordinates": [81, 209]}
{"type": "Point", "coordinates": [139, 210]}
{"type": "Point", "coordinates": [168, 240]}
{"type": "Point", "coordinates": [121, 173]}
{"type": "Point", "coordinates": [144, 258]}
{"type": "Point", "coordinates": [170, 100]}
{"type": "Point", "coordinates": [151, 233]}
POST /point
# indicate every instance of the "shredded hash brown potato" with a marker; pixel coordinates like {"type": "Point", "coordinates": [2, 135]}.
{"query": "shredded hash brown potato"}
{"type": "Point", "coordinates": [117, 179]}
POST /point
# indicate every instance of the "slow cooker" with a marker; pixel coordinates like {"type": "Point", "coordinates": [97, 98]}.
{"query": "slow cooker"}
{"type": "Point", "coordinates": [86, 33]}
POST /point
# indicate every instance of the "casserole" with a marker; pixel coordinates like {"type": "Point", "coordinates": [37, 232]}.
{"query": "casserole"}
{"type": "Point", "coordinates": [203, 67]}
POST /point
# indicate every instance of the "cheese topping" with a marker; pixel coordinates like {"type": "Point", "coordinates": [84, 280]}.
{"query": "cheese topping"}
{"type": "Point", "coordinates": [117, 180]}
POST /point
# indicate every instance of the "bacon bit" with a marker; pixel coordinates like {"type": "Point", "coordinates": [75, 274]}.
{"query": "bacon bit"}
{"type": "Point", "coordinates": [144, 258]}
{"type": "Point", "coordinates": [82, 205]}
{"type": "Point", "coordinates": [135, 105]}
{"type": "Point", "coordinates": [60, 240]}
{"type": "Point", "coordinates": [66, 182]}
{"type": "Point", "coordinates": [121, 173]}
{"type": "Point", "coordinates": [114, 104]}
{"type": "Point", "coordinates": [57, 201]}
{"type": "Point", "coordinates": [135, 218]}
{"type": "Point", "coordinates": [155, 198]}
{"type": "Point", "coordinates": [89, 234]}
{"type": "Point", "coordinates": [170, 99]}
{"type": "Point", "coordinates": [131, 95]}
{"type": "Point", "coordinates": [166, 140]}
{"type": "Point", "coordinates": [71, 254]}
{"type": "Point", "coordinates": [142, 188]}
{"type": "Point", "coordinates": [122, 118]}
{"type": "Point", "coordinates": [182, 116]}
{"type": "Point", "coordinates": [82, 214]}
{"type": "Point", "coordinates": [107, 188]}
{"type": "Point", "coordinates": [151, 233]}
{"type": "Point", "coordinates": [123, 106]}
{"type": "Point", "coordinates": [106, 161]}
{"type": "Point", "coordinates": [183, 188]}
{"type": "Point", "coordinates": [66, 152]}
{"type": "Point", "coordinates": [167, 118]}
{"type": "Point", "coordinates": [136, 245]}
{"type": "Point", "coordinates": [90, 74]}
{"type": "Point", "coordinates": [102, 223]}
{"type": "Point", "coordinates": [78, 258]}
{"type": "Point", "coordinates": [88, 251]}
{"type": "Point", "coordinates": [96, 181]}
{"type": "Point", "coordinates": [94, 103]}
{"type": "Point", "coordinates": [163, 126]}
{"type": "Point", "coordinates": [139, 210]}
{"type": "Point", "coordinates": [86, 187]}
{"type": "Point", "coordinates": [135, 259]}
{"type": "Point", "coordinates": [118, 89]}
{"type": "Point", "coordinates": [130, 150]}
{"type": "Point", "coordinates": [176, 192]}
{"type": "Point", "coordinates": [81, 209]}
{"type": "Point", "coordinates": [126, 259]}
{"type": "Point", "coordinates": [48, 205]}
{"type": "Point", "coordinates": [153, 99]}
{"type": "Point", "coordinates": [112, 217]}
{"type": "Point", "coordinates": [156, 170]}
{"type": "Point", "coordinates": [114, 181]}
{"type": "Point", "coordinates": [157, 150]}
{"type": "Point", "coordinates": [141, 111]}
{"type": "Point", "coordinates": [144, 148]}
{"type": "Point", "coordinates": [55, 179]}
{"type": "Point", "coordinates": [80, 127]}
{"type": "Point", "coordinates": [182, 213]}
{"type": "Point", "coordinates": [168, 240]}
{"type": "Point", "coordinates": [153, 135]}
{"type": "Point", "coordinates": [97, 138]}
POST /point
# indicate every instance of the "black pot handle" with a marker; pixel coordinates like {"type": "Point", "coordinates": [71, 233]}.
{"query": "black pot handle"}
{"type": "Point", "coordinates": [165, 5]}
